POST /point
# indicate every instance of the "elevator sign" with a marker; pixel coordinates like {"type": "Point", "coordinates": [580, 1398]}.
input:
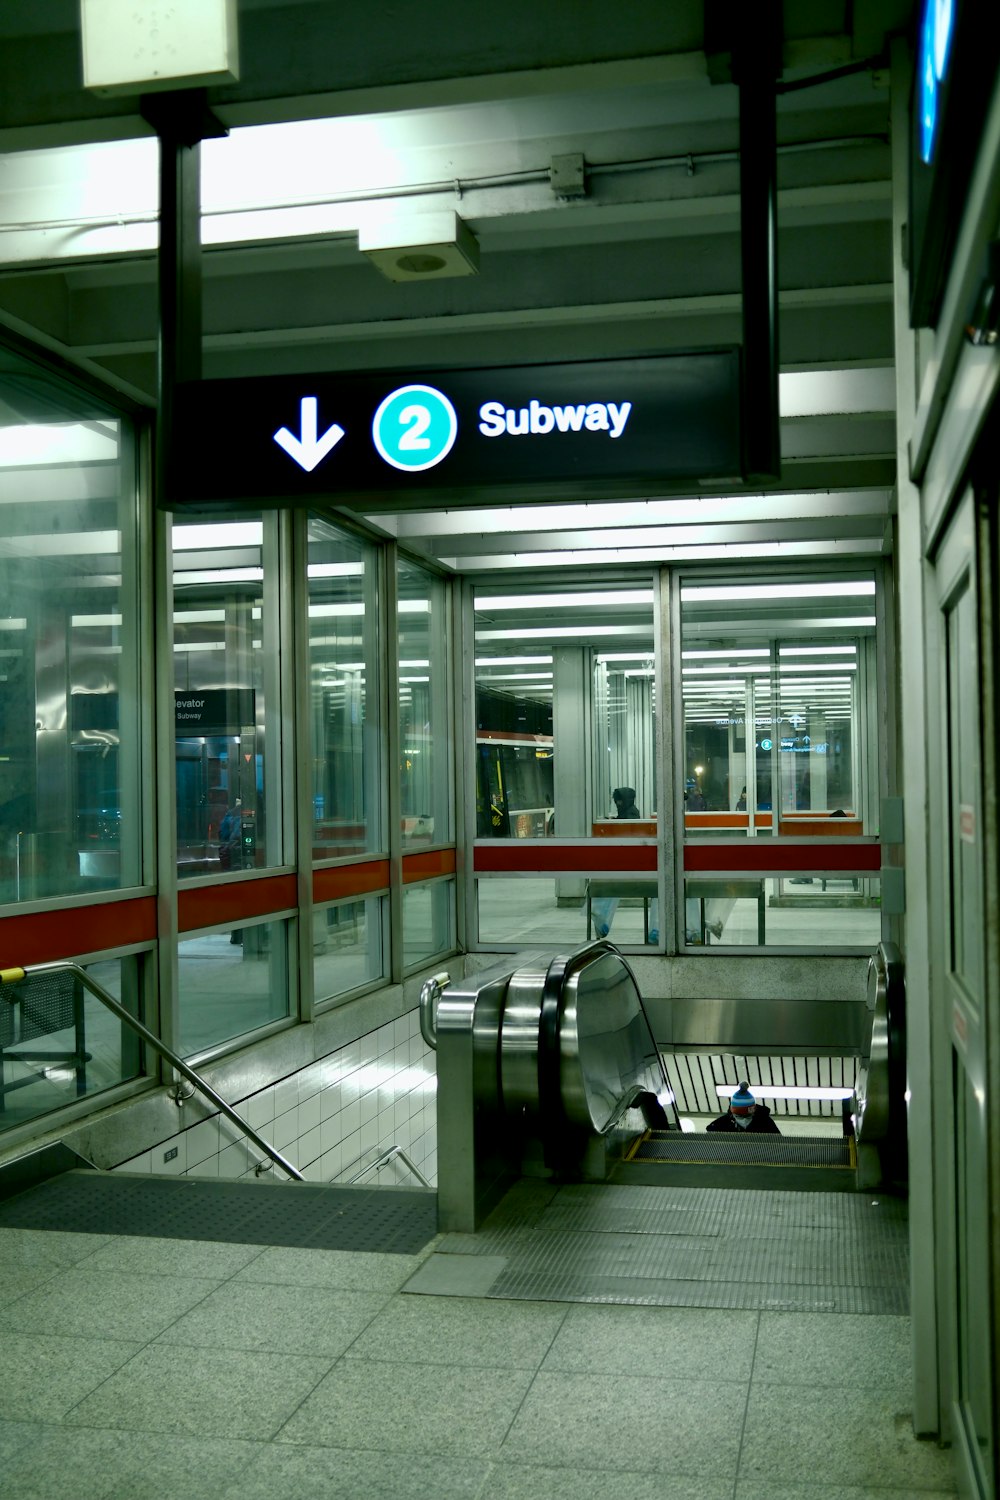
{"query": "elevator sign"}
{"type": "Point", "coordinates": [605, 427]}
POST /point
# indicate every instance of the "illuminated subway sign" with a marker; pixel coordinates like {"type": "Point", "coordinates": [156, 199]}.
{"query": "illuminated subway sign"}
{"type": "Point", "coordinates": [537, 420]}
{"type": "Point", "coordinates": [574, 430]}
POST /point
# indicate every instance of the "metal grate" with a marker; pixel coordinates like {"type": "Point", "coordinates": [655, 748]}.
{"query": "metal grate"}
{"type": "Point", "coordinates": [692, 1247]}
{"type": "Point", "coordinates": [37, 1007]}
{"type": "Point", "coordinates": [396, 1220]}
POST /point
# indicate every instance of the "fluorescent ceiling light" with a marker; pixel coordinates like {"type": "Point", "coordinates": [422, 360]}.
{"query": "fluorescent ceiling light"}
{"type": "Point", "coordinates": [62, 544]}
{"type": "Point", "coordinates": [519, 677]}
{"type": "Point", "coordinates": [198, 616]}
{"type": "Point", "coordinates": [200, 646]}
{"type": "Point", "coordinates": [13, 624]}
{"type": "Point", "coordinates": [414, 606]}
{"type": "Point", "coordinates": [817, 666]}
{"type": "Point", "coordinates": [599, 599]}
{"type": "Point", "coordinates": [45, 444]}
{"type": "Point", "coordinates": [624, 655]}
{"type": "Point", "coordinates": [553, 632]}
{"type": "Point", "coordinates": [817, 650]}
{"type": "Point", "coordinates": [326, 611]}
{"type": "Point", "coordinates": [88, 620]}
{"type": "Point", "coordinates": [734, 652]}
{"type": "Point", "coordinates": [217, 534]}
{"type": "Point", "coordinates": [414, 663]}
{"type": "Point", "coordinates": [513, 661]}
{"type": "Point", "coordinates": [219, 575]}
{"type": "Point", "coordinates": [716, 593]}
{"type": "Point", "coordinates": [335, 570]}
{"type": "Point", "coordinates": [414, 679]}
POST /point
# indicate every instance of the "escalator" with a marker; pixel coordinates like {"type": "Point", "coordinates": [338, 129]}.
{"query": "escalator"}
{"type": "Point", "coordinates": [551, 1069]}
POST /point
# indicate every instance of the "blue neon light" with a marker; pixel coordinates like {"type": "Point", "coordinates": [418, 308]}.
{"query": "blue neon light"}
{"type": "Point", "coordinates": [937, 26]}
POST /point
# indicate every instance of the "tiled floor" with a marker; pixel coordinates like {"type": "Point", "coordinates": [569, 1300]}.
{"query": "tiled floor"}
{"type": "Point", "coordinates": [138, 1368]}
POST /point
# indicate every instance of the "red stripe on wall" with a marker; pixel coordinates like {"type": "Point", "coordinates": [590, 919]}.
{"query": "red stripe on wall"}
{"type": "Point", "coordinates": [427, 864]}
{"type": "Point", "coordinates": [218, 905]}
{"type": "Point", "coordinates": [37, 937]}
{"type": "Point", "coordinates": [534, 857]}
{"type": "Point", "coordinates": [773, 857]}
{"type": "Point", "coordinates": [350, 880]}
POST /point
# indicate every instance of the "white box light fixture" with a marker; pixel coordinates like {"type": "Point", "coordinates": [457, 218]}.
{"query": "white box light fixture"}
{"type": "Point", "coordinates": [139, 46]}
{"type": "Point", "coordinates": [422, 247]}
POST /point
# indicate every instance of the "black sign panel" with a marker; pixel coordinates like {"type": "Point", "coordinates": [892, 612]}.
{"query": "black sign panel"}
{"type": "Point", "coordinates": [213, 711]}
{"type": "Point", "coordinates": [450, 435]}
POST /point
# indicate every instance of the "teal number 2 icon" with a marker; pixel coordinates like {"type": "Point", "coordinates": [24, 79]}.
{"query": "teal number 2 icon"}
{"type": "Point", "coordinates": [414, 428]}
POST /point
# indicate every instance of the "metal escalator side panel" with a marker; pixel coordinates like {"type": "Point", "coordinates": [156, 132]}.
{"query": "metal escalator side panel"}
{"type": "Point", "coordinates": [604, 1054]}
{"type": "Point", "coordinates": [519, 1039]}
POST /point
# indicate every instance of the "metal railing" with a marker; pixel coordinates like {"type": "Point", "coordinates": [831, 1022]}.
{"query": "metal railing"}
{"type": "Point", "coordinates": [394, 1153]}
{"type": "Point", "coordinates": [16, 975]}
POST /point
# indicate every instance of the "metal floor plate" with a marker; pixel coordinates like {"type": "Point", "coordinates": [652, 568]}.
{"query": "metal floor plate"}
{"type": "Point", "coordinates": [303, 1215]}
{"type": "Point", "coordinates": [692, 1247]}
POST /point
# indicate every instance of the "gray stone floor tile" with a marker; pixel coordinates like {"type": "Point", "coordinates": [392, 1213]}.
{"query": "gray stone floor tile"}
{"type": "Point", "coordinates": [528, 1482]}
{"type": "Point", "coordinates": [17, 1435]}
{"type": "Point", "coordinates": [755, 1489]}
{"type": "Point", "coordinates": [159, 1257]}
{"type": "Point", "coordinates": [47, 1247]}
{"type": "Point", "coordinates": [815, 1349]}
{"type": "Point", "coordinates": [344, 1270]}
{"type": "Point", "coordinates": [411, 1408]}
{"type": "Point", "coordinates": [111, 1303]}
{"type": "Point", "coordinates": [105, 1465]}
{"type": "Point", "coordinates": [295, 1473]}
{"type": "Point", "coordinates": [859, 1437]}
{"type": "Point", "coordinates": [15, 1281]}
{"type": "Point", "coordinates": [44, 1376]}
{"type": "Point", "coordinates": [676, 1342]}
{"type": "Point", "coordinates": [456, 1275]}
{"type": "Point", "coordinates": [457, 1331]}
{"type": "Point", "coordinates": [215, 1393]}
{"type": "Point", "coordinates": [287, 1319]}
{"type": "Point", "coordinates": [638, 1422]}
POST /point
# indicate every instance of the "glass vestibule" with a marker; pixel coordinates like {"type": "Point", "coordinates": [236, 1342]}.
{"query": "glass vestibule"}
{"type": "Point", "coordinates": [780, 742]}
{"type": "Point", "coordinates": [565, 736]}
{"type": "Point", "coordinates": [69, 631]}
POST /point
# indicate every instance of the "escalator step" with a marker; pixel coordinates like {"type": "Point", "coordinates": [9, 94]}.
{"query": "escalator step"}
{"type": "Point", "coordinates": [725, 1149]}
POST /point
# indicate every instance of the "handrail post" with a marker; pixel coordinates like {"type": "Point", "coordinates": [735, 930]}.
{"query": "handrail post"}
{"type": "Point", "coordinates": [430, 994]}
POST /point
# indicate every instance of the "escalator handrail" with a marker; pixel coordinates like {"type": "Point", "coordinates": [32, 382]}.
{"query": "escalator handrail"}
{"type": "Point", "coordinates": [552, 1114]}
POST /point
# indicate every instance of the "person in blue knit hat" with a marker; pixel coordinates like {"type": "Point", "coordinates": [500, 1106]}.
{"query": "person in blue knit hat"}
{"type": "Point", "coordinates": [744, 1113]}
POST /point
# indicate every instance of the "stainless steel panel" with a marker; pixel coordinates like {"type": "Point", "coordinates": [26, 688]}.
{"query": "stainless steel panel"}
{"type": "Point", "coordinates": [605, 1046]}
{"type": "Point", "coordinates": [776, 1027]}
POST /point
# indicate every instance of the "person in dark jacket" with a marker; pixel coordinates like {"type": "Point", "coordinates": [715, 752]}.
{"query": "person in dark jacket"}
{"type": "Point", "coordinates": [624, 800]}
{"type": "Point", "coordinates": [744, 1113]}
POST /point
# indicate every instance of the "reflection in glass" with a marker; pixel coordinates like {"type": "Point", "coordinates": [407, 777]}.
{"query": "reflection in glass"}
{"type": "Point", "coordinates": [424, 775]}
{"type": "Point", "coordinates": [343, 667]}
{"type": "Point", "coordinates": [347, 946]}
{"type": "Point", "coordinates": [69, 737]}
{"type": "Point", "coordinates": [428, 921]}
{"type": "Point", "coordinates": [758, 911]}
{"type": "Point", "coordinates": [797, 662]}
{"type": "Point", "coordinates": [59, 1043]}
{"type": "Point", "coordinates": [231, 983]}
{"type": "Point", "coordinates": [225, 664]}
{"type": "Point", "coordinates": [519, 909]}
{"type": "Point", "coordinates": [565, 710]}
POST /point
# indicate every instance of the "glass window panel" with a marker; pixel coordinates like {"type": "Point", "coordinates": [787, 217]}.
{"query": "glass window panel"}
{"type": "Point", "coordinates": [562, 670]}
{"type": "Point", "coordinates": [424, 727]}
{"type": "Point", "coordinates": [231, 983]}
{"type": "Point", "coordinates": [225, 676]}
{"type": "Point", "coordinates": [69, 721]}
{"type": "Point", "coordinates": [428, 921]}
{"type": "Point", "coordinates": [85, 1048]}
{"type": "Point", "coordinates": [348, 949]}
{"type": "Point", "coordinates": [530, 908]}
{"type": "Point", "coordinates": [795, 659]}
{"type": "Point", "coordinates": [810, 911]}
{"type": "Point", "coordinates": [343, 667]}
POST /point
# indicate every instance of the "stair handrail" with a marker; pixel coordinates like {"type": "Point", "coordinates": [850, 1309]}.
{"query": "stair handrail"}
{"type": "Point", "coordinates": [17, 974]}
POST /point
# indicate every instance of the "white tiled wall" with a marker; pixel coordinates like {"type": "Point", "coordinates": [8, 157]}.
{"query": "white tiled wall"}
{"type": "Point", "coordinates": [331, 1120]}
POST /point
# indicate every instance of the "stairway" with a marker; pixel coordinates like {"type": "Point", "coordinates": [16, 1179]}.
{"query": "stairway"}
{"type": "Point", "coordinates": [796, 1163]}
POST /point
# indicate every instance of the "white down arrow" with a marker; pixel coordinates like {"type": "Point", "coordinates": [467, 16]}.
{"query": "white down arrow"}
{"type": "Point", "coordinates": [308, 450]}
